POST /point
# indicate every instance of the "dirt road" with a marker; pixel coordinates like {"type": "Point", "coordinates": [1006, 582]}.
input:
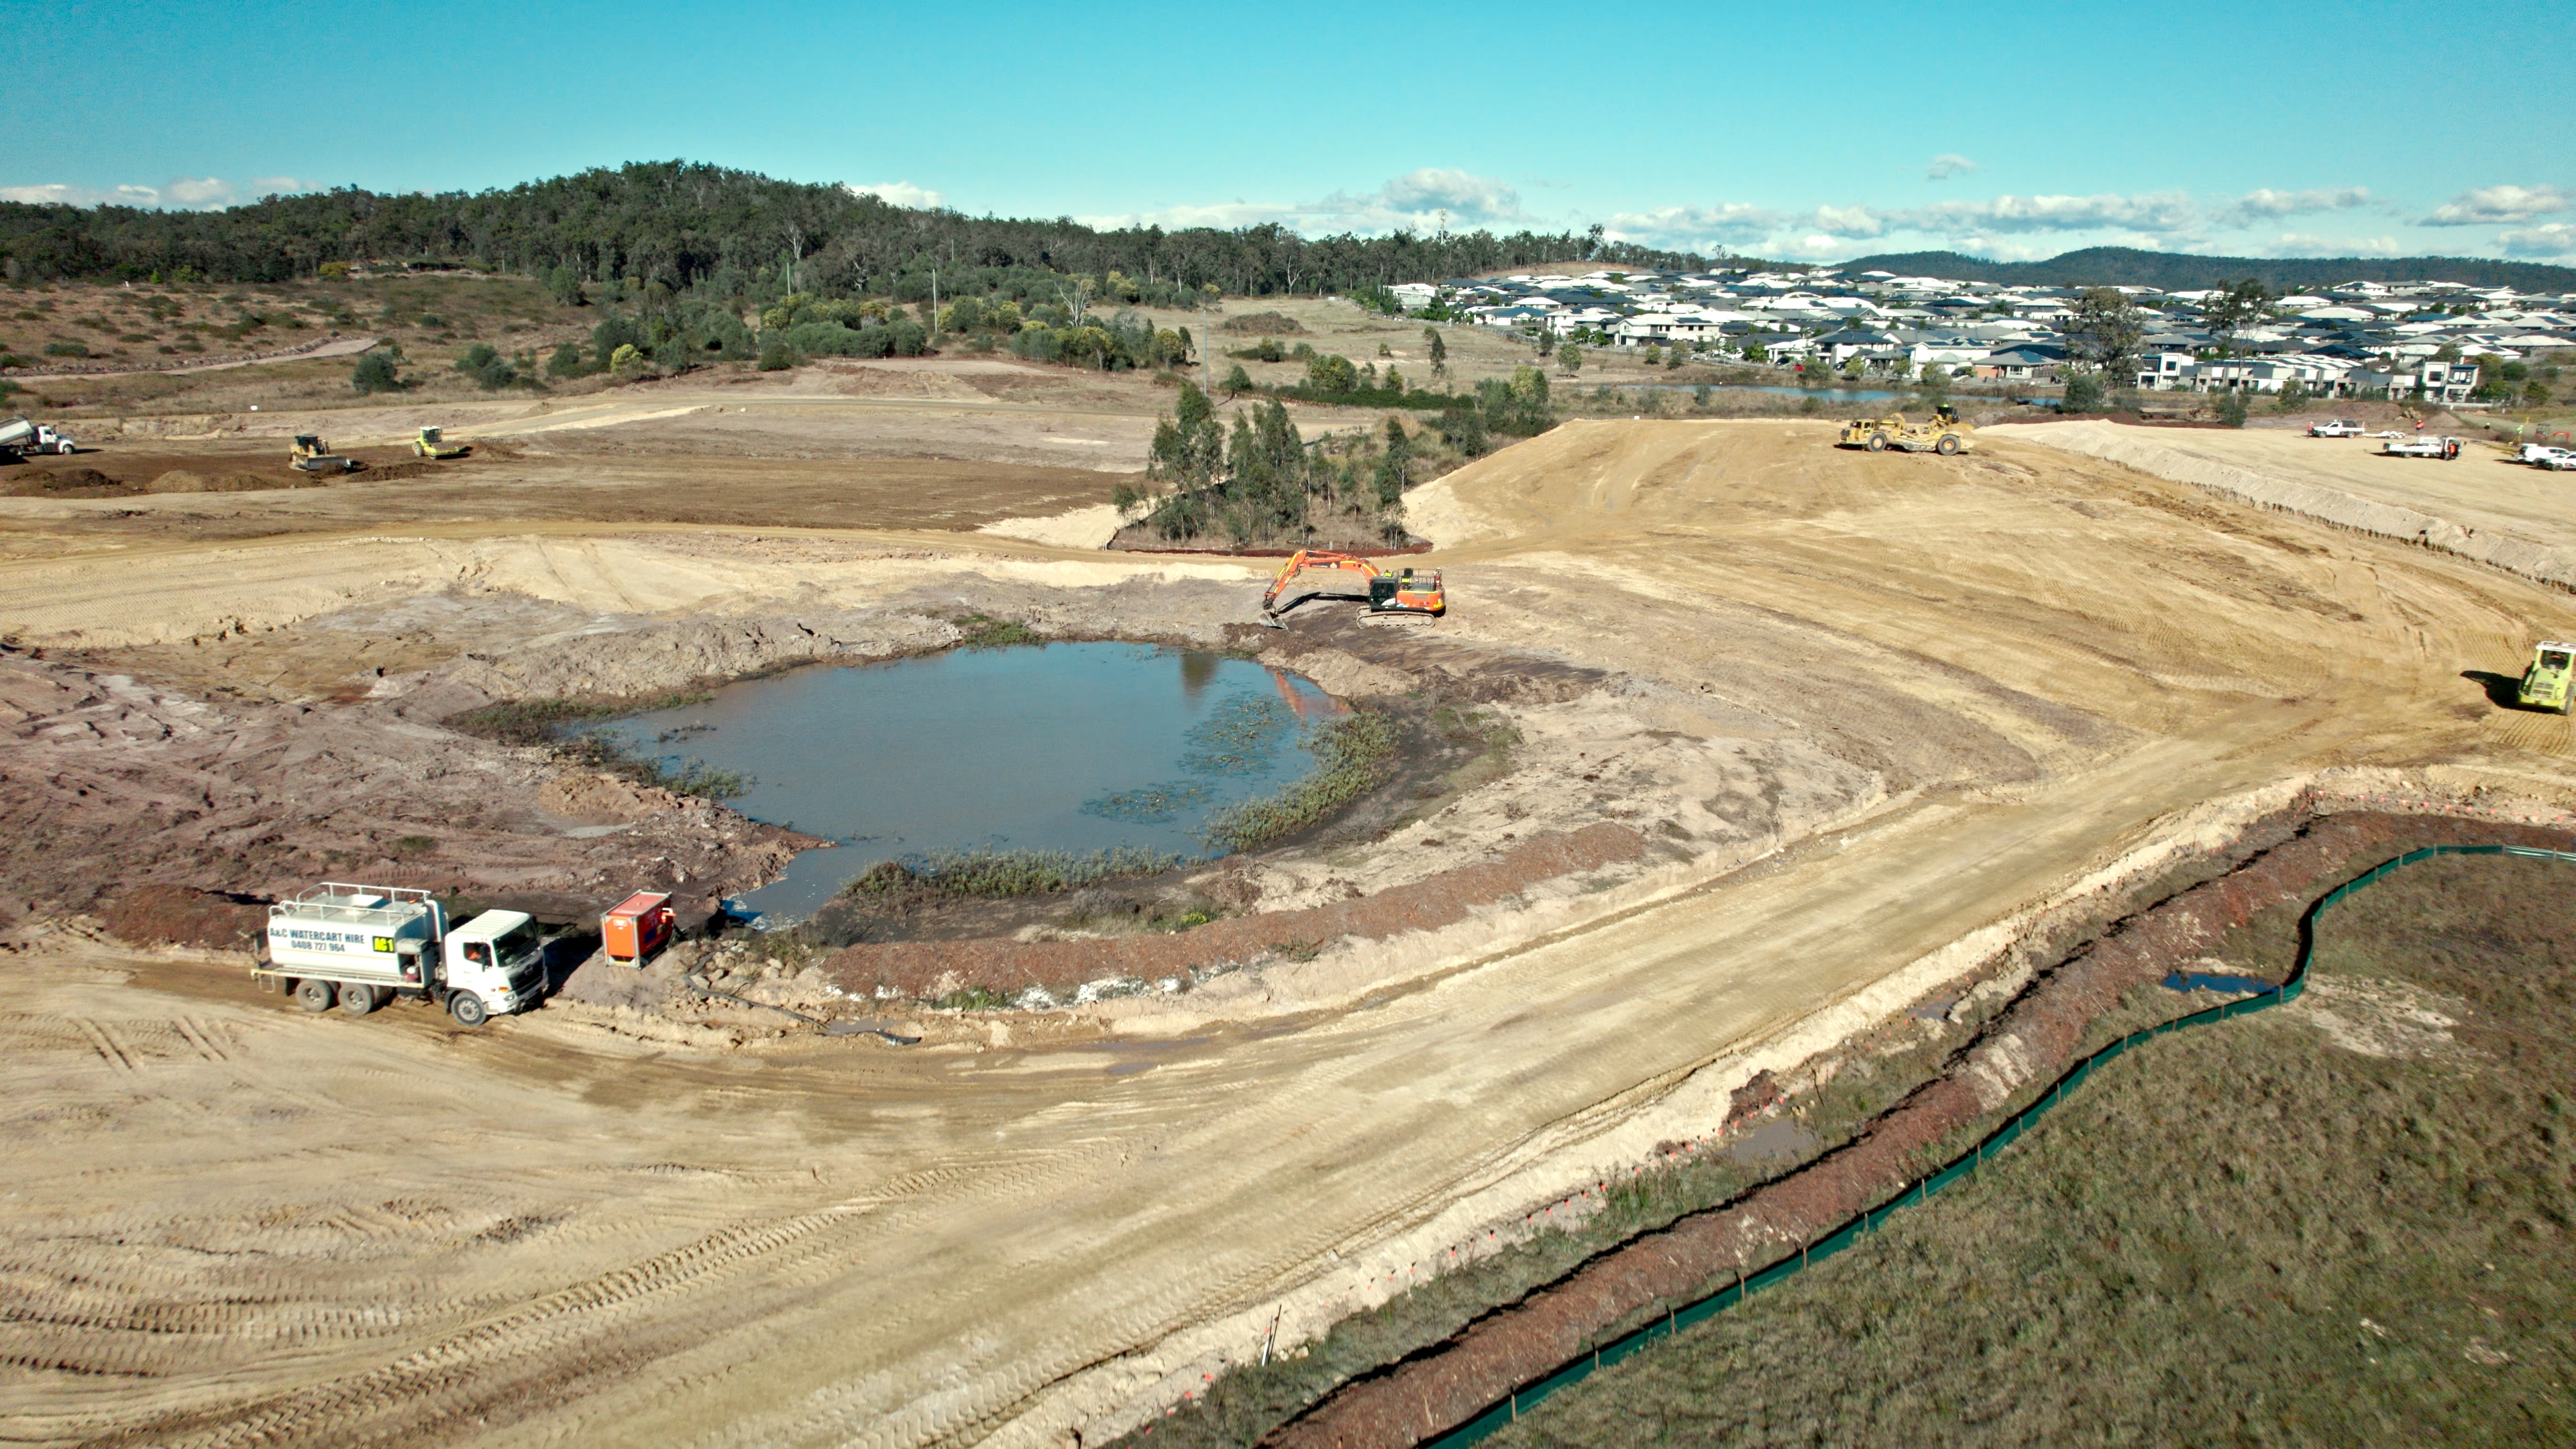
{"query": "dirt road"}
{"type": "Point", "coordinates": [2037, 657]}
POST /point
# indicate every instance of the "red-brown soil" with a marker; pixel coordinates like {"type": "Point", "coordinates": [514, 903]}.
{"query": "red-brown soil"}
{"type": "Point", "coordinates": [917, 968]}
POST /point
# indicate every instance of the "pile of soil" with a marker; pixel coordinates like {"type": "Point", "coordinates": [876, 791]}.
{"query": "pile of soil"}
{"type": "Point", "coordinates": [170, 915]}
{"type": "Point", "coordinates": [923, 969]}
{"type": "Point", "coordinates": [182, 480]}
{"type": "Point", "coordinates": [2031, 1043]}
{"type": "Point", "coordinates": [1271, 324]}
{"type": "Point", "coordinates": [66, 483]}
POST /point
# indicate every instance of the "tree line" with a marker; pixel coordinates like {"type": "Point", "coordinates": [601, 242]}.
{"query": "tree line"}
{"type": "Point", "coordinates": [684, 225]}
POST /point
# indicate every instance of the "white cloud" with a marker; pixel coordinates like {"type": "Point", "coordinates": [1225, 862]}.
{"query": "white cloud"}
{"type": "Point", "coordinates": [900, 193]}
{"type": "Point", "coordinates": [1464, 195]}
{"type": "Point", "coordinates": [181, 193]}
{"type": "Point", "coordinates": [2302, 244]}
{"type": "Point", "coordinates": [212, 191]}
{"type": "Point", "coordinates": [1416, 201]}
{"type": "Point", "coordinates": [1947, 165]}
{"type": "Point", "coordinates": [57, 194]}
{"type": "Point", "coordinates": [1847, 221]}
{"type": "Point", "coordinates": [1698, 228]}
{"type": "Point", "coordinates": [2554, 239]}
{"type": "Point", "coordinates": [2498, 204]}
{"type": "Point", "coordinates": [2265, 204]}
{"type": "Point", "coordinates": [2162, 211]}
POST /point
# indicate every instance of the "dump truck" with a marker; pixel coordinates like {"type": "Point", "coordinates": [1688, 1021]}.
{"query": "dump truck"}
{"type": "Point", "coordinates": [312, 455]}
{"type": "Point", "coordinates": [360, 946]}
{"type": "Point", "coordinates": [636, 927]}
{"type": "Point", "coordinates": [428, 445]}
{"type": "Point", "coordinates": [2550, 682]}
{"type": "Point", "coordinates": [1398, 594]}
{"type": "Point", "coordinates": [1944, 434]}
{"type": "Point", "coordinates": [28, 439]}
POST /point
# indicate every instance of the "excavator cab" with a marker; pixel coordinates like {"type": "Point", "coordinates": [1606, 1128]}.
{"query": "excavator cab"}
{"type": "Point", "coordinates": [1407, 592]}
{"type": "Point", "coordinates": [2550, 682]}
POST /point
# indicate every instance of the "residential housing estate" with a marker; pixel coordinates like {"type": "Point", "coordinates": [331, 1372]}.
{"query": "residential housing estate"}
{"type": "Point", "coordinates": [2426, 340]}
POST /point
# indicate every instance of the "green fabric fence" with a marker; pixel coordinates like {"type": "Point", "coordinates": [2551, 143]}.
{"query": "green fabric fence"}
{"type": "Point", "coordinates": [1505, 1410]}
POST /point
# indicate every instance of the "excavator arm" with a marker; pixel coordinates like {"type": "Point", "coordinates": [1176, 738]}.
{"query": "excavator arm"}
{"type": "Point", "coordinates": [1314, 558]}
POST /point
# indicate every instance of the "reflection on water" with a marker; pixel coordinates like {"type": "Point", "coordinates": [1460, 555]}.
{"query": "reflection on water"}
{"type": "Point", "coordinates": [1044, 747]}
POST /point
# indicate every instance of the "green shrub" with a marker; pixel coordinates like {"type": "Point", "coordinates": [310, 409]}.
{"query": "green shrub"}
{"type": "Point", "coordinates": [775, 354]}
{"type": "Point", "coordinates": [375, 373]}
{"type": "Point", "coordinates": [66, 349]}
{"type": "Point", "coordinates": [489, 369]}
{"type": "Point", "coordinates": [567, 362]}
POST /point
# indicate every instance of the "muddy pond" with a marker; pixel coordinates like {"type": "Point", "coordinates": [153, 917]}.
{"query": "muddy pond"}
{"type": "Point", "coordinates": [1045, 747]}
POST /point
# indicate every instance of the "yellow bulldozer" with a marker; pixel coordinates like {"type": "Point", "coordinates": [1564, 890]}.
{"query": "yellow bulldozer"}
{"type": "Point", "coordinates": [311, 455]}
{"type": "Point", "coordinates": [1943, 434]}
{"type": "Point", "coordinates": [427, 445]}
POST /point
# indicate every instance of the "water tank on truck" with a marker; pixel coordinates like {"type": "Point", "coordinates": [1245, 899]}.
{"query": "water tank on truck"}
{"type": "Point", "coordinates": [360, 946]}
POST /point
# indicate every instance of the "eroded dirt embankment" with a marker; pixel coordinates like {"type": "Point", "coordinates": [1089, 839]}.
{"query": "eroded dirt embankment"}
{"type": "Point", "coordinates": [2031, 1042]}
{"type": "Point", "coordinates": [111, 785]}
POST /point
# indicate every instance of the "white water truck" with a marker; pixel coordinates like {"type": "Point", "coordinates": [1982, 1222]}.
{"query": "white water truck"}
{"type": "Point", "coordinates": [360, 946]}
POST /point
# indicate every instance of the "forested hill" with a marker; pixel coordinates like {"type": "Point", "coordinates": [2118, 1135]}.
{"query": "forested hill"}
{"type": "Point", "coordinates": [2175, 272]}
{"type": "Point", "coordinates": [683, 224]}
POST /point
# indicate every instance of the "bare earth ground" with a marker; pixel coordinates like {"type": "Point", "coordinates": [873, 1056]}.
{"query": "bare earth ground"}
{"type": "Point", "coordinates": [1919, 697]}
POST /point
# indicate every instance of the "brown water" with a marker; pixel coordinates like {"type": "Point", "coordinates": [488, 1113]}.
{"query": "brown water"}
{"type": "Point", "coordinates": [1074, 747]}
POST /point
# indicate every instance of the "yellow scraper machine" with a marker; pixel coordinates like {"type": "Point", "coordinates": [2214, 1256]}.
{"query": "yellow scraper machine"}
{"type": "Point", "coordinates": [2550, 682]}
{"type": "Point", "coordinates": [1944, 434]}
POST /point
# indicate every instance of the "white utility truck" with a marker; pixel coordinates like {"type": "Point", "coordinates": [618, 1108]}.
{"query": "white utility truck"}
{"type": "Point", "coordinates": [2423, 447]}
{"type": "Point", "coordinates": [361, 946]}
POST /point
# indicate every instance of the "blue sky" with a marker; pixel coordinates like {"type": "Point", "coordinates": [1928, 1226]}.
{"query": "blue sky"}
{"type": "Point", "coordinates": [2003, 130]}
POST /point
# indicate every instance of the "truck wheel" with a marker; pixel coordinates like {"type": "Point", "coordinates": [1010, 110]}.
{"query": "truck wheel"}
{"type": "Point", "coordinates": [467, 1008]}
{"type": "Point", "coordinates": [1878, 442]}
{"type": "Point", "coordinates": [1949, 444]}
{"type": "Point", "coordinates": [313, 994]}
{"type": "Point", "coordinates": [359, 1000]}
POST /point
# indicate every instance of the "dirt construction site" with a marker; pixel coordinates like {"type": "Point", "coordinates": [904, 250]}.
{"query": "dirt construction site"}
{"type": "Point", "coordinates": [1733, 751]}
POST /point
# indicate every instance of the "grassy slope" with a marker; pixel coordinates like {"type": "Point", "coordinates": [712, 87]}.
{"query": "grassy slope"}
{"type": "Point", "coordinates": [2245, 1233]}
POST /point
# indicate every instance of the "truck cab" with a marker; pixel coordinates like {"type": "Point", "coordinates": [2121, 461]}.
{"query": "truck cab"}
{"type": "Point", "coordinates": [497, 959]}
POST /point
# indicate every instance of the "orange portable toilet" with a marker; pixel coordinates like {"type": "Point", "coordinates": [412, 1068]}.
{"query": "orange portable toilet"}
{"type": "Point", "coordinates": [639, 926]}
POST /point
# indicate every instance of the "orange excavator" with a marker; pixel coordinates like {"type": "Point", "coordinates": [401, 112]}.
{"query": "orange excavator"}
{"type": "Point", "coordinates": [1406, 593]}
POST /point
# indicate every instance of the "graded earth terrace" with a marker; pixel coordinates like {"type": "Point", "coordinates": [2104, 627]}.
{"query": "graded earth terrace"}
{"type": "Point", "coordinates": [1732, 748]}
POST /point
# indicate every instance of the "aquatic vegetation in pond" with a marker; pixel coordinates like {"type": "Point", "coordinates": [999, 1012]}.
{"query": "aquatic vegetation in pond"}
{"type": "Point", "coordinates": [1007, 872]}
{"type": "Point", "coordinates": [1241, 735]}
{"type": "Point", "coordinates": [1356, 752]}
{"type": "Point", "coordinates": [1152, 805]}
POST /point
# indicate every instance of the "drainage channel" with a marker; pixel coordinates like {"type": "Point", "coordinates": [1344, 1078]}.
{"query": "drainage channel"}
{"type": "Point", "coordinates": [1574, 1371]}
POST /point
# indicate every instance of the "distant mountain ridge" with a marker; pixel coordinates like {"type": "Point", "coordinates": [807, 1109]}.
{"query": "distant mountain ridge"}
{"type": "Point", "coordinates": [2177, 271]}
